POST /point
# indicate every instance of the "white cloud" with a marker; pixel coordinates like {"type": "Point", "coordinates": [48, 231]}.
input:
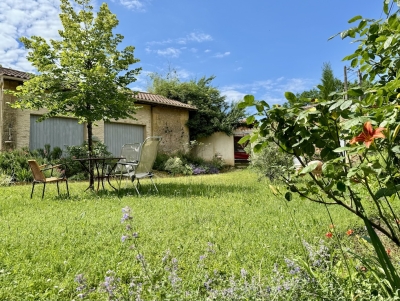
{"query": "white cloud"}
{"type": "Point", "coordinates": [270, 90]}
{"type": "Point", "coordinates": [296, 85]}
{"type": "Point", "coordinates": [136, 5]}
{"type": "Point", "coordinates": [232, 95]}
{"type": "Point", "coordinates": [25, 18]}
{"type": "Point", "coordinates": [221, 55]}
{"type": "Point", "coordinates": [192, 37]}
{"type": "Point", "coordinates": [171, 52]}
{"type": "Point", "coordinates": [164, 42]}
{"type": "Point", "coordinates": [207, 50]}
{"type": "Point", "coordinates": [199, 37]}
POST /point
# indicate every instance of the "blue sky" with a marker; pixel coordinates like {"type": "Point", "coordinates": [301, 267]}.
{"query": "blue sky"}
{"type": "Point", "coordinates": [254, 47]}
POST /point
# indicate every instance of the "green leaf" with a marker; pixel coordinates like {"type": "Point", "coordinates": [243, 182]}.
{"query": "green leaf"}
{"type": "Point", "coordinates": [288, 196]}
{"type": "Point", "coordinates": [242, 105]}
{"type": "Point", "coordinates": [344, 34]}
{"type": "Point", "coordinates": [290, 96]}
{"type": "Point", "coordinates": [341, 186]}
{"type": "Point", "coordinates": [354, 63]}
{"type": "Point", "coordinates": [386, 191]}
{"type": "Point", "coordinates": [351, 56]}
{"type": "Point", "coordinates": [386, 7]}
{"type": "Point", "coordinates": [343, 149]}
{"type": "Point", "coordinates": [336, 105]}
{"type": "Point", "coordinates": [244, 139]}
{"type": "Point", "coordinates": [250, 119]}
{"type": "Point", "coordinates": [309, 168]}
{"type": "Point", "coordinates": [355, 121]}
{"type": "Point", "coordinates": [354, 19]}
{"type": "Point", "coordinates": [393, 21]}
{"type": "Point", "coordinates": [374, 28]}
{"type": "Point", "coordinates": [388, 42]}
{"type": "Point", "coordinates": [258, 147]}
{"type": "Point", "coordinates": [355, 92]}
{"type": "Point", "coordinates": [253, 138]}
{"type": "Point", "coordinates": [396, 149]}
{"type": "Point", "coordinates": [249, 99]}
{"type": "Point", "coordinates": [328, 169]}
{"type": "Point", "coordinates": [346, 104]}
{"type": "Point", "coordinates": [383, 258]}
{"type": "Point", "coordinates": [259, 107]}
{"type": "Point", "coordinates": [362, 24]}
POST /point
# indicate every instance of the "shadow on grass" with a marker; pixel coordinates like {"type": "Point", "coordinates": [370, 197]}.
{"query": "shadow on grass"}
{"type": "Point", "coordinates": [146, 189]}
{"type": "Point", "coordinates": [186, 190]}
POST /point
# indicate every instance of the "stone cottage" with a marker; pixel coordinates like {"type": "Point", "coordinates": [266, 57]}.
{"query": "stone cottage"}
{"type": "Point", "coordinates": [156, 116]}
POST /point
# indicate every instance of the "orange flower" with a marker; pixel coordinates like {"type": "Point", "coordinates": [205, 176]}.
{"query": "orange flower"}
{"type": "Point", "coordinates": [388, 251]}
{"type": "Point", "coordinates": [349, 232]}
{"type": "Point", "coordinates": [329, 235]}
{"type": "Point", "coordinates": [368, 134]}
{"type": "Point", "coordinates": [331, 226]}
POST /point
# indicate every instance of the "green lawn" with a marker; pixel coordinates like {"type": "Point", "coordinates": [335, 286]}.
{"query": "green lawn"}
{"type": "Point", "coordinates": [232, 218]}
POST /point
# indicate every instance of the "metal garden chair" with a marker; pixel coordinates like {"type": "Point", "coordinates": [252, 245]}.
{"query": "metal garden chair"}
{"type": "Point", "coordinates": [143, 167]}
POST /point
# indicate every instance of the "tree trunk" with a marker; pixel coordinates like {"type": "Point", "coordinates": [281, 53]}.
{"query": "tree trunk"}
{"type": "Point", "coordinates": [90, 152]}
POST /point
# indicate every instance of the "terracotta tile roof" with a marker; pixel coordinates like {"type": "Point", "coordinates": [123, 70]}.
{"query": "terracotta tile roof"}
{"type": "Point", "coordinates": [148, 98]}
{"type": "Point", "coordinates": [13, 73]}
{"type": "Point", "coordinates": [141, 97]}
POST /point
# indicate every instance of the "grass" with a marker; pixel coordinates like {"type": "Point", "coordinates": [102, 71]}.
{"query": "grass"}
{"type": "Point", "coordinates": [46, 243]}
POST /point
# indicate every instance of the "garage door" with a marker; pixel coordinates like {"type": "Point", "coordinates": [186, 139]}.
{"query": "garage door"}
{"type": "Point", "coordinates": [55, 131]}
{"type": "Point", "coordinates": [118, 134]}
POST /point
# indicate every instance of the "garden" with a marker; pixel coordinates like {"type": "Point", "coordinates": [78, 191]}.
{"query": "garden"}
{"type": "Point", "coordinates": [326, 229]}
{"type": "Point", "coordinates": [225, 236]}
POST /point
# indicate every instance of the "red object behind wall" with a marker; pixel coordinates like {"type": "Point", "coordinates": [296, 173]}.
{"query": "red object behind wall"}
{"type": "Point", "coordinates": [240, 153]}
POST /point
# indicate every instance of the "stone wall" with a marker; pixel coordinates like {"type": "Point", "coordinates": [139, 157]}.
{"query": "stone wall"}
{"type": "Point", "coordinates": [164, 121]}
{"type": "Point", "coordinates": [170, 124]}
{"type": "Point", "coordinates": [8, 117]}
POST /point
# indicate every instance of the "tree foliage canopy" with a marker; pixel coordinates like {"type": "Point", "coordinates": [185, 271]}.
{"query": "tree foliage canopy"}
{"type": "Point", "coordinates": [80, 74]}
{"type": "Point", "coordinates": [214, 114]}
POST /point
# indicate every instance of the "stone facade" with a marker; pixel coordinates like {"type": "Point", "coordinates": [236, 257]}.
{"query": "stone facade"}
{"type": "Point", "coordinates": [159, 116]}
{"type": "Point", "coordinates": [8, 116]}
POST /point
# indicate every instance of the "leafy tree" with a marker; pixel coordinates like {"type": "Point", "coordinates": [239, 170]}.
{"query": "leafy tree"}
{"type": "Point", "coordinates": [81, 74]}
{"type": "Point", "coordinates": [329, 84]}
{"type": "Point", "coordinates": [214, 114]}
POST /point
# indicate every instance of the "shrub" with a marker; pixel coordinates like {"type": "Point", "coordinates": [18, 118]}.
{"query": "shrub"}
{"type": "Point", "coordinates": [270, 160]}
{"type": "Point", "coordinates": [14, 163]}
{"type": "Point", "coordinates": [176, 166]}
{"type": "Point", "coordinates": [161, 159]}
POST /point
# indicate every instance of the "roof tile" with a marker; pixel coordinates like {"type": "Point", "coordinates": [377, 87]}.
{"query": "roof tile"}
{"type": "Point", "coordinates": [13, 73]}
{"type": "Point", "coordinates": [141, 97]}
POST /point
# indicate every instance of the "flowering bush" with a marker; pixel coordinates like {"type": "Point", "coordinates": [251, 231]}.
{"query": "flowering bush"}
{"type": "Point", "coordinates": [176, 166]}
{"type": "Point", "coordinates": [185, 166]}
{"type": "Point", "coordinates": [355, 136]}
